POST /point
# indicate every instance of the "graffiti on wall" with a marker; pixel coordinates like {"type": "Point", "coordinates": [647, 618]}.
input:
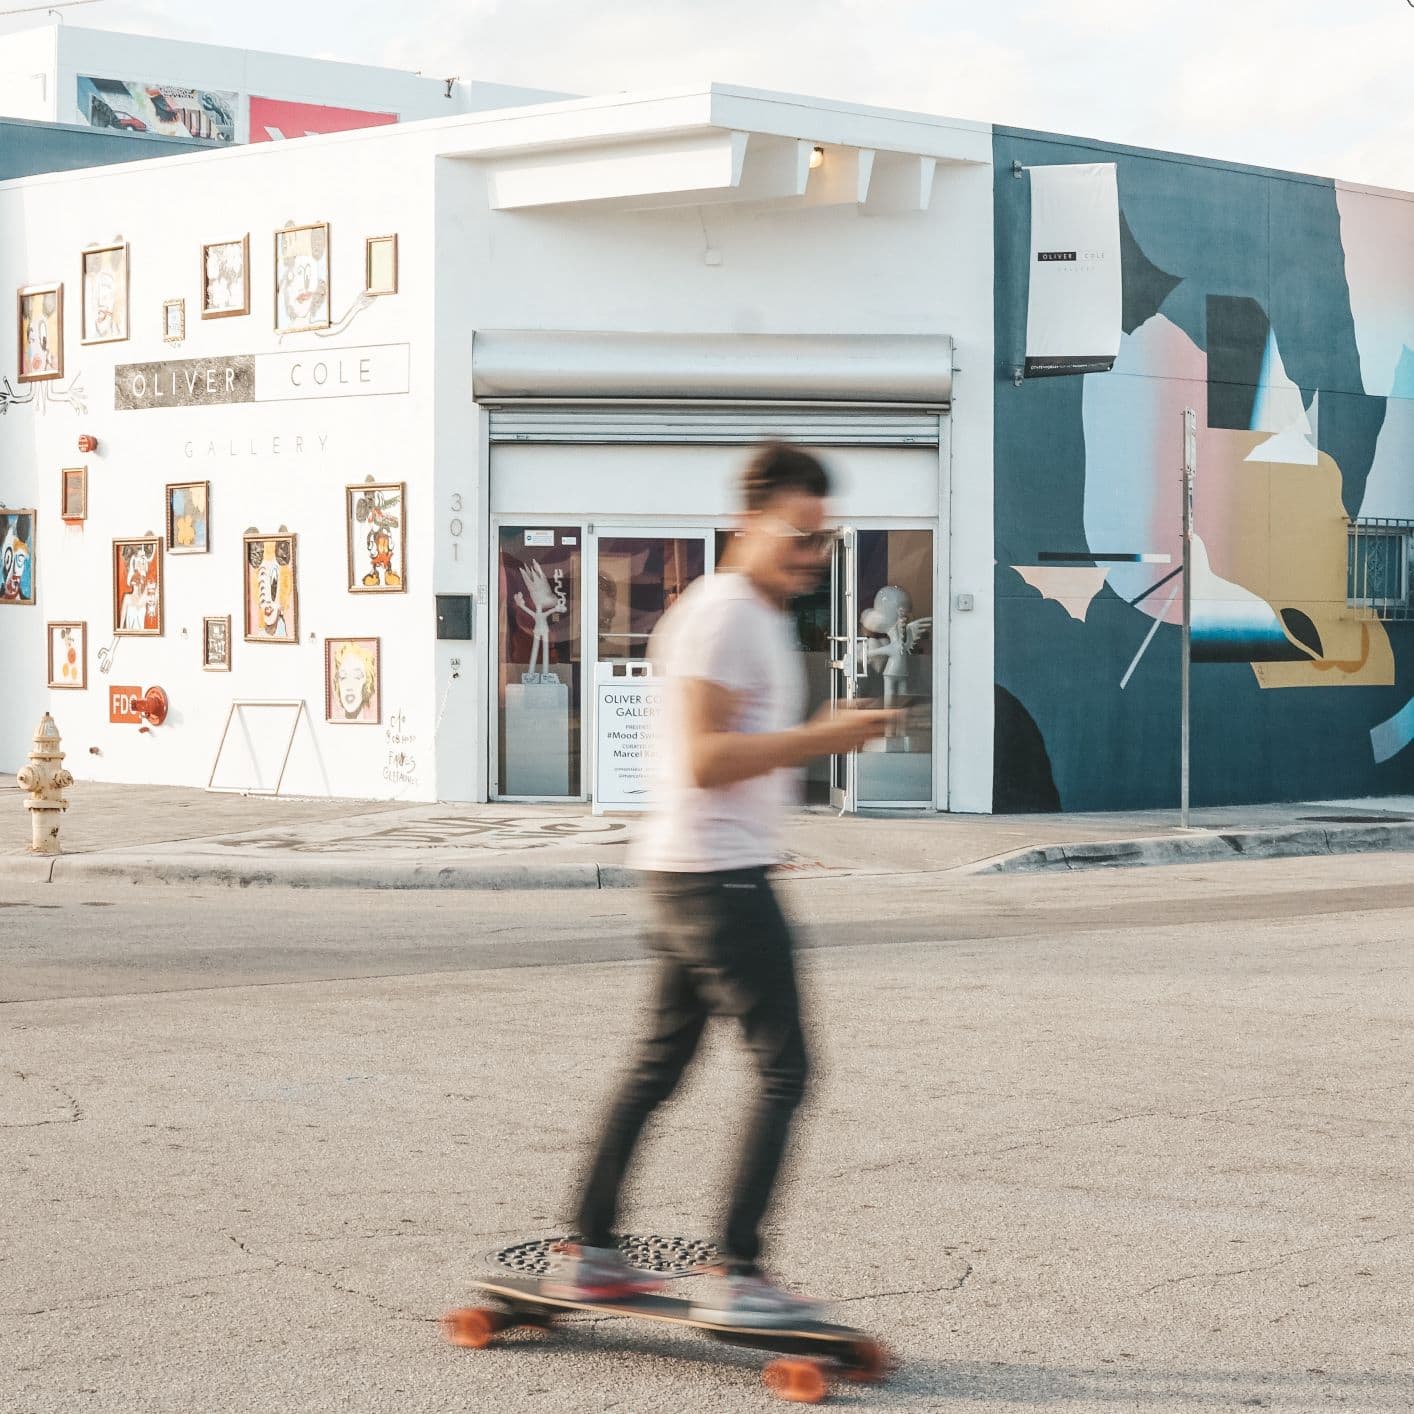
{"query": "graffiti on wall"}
{"type": "Point", "coordinates": [1282, 310]}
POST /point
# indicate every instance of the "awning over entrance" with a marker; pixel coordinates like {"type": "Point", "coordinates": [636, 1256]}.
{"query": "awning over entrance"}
{"type": "Point", "coordinates": [566, 365]}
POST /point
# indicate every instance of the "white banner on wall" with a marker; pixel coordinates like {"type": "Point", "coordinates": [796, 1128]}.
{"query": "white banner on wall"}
{"type": "Point", "coordinates": [1075, 298]}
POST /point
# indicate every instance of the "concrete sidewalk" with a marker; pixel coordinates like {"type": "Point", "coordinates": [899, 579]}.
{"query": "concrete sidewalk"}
{"type": "Point", "coordinates": [171, 835]}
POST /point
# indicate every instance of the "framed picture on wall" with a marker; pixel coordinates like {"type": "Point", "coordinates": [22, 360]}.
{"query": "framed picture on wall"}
{"type": "Point", "coordinates": [174, 320]}
{"type": "Point", "coordinates": [189, 518]}
{"type": "Point", "coordinates": [17, 557]}
{"type": "Point", "coordinates": [68, 655]}
{"type": "Point", "coordinates": [271, 602]}
{"type": "Point", "coordinates": [104, 294]}
{"type": "Point", "coordinates": [352, 683]}
{"type": "Point", "coordinates": [40, 328]}
{"type": "Point", "coordinates": [377, 537]}
{"type": "Point", "coordinates": [73, 500]}
{"type": "Point", "coordinates": [216, 644]}
{"type": "Point", "coordinates": [302, 278]}
{"type": "Point", "coordinates": [138, 587]}
{"type": "Point", "coordinates": [225, 278]}
{"type": "Point", "coordinates": [380, 265]}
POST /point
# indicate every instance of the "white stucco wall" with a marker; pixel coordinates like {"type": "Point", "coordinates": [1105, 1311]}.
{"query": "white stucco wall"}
{"type": "Point", "coordinates": [270, 464]}
{"type": "Point", "coordinates": [784, 269]}
{"type": "Point", "coordinates": [28, 65]}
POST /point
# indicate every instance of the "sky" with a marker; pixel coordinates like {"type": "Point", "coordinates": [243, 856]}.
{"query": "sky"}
{"type": "Point", "coordinates": [1314, 87]}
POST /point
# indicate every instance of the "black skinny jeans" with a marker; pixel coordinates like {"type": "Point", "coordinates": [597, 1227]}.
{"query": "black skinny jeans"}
{"type": "Point", "coordinates": [723, 949]}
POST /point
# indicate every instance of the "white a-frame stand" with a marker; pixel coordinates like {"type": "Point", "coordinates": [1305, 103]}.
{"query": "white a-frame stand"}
{"type": "Point", "coordinates": [263, 739]}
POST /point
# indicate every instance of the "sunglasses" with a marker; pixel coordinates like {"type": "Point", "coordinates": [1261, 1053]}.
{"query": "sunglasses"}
{"type": "Point", "coordinates": [814, 542]}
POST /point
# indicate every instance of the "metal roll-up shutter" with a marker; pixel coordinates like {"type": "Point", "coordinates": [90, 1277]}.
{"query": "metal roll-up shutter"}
{"type": "Point", "coordinates": [666, 424]}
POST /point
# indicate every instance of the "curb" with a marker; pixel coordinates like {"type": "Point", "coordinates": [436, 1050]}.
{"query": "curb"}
{"type": "Point", "coordinates": [313, 873]}
{"type": "Point", "coordinates": [1205, 847]}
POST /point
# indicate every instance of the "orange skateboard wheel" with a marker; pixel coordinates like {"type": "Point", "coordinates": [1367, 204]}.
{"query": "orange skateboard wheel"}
{"type": "Point", "coordinates": [473, 1326]}
{"type": "Point", "coordinates": [799, 1381]}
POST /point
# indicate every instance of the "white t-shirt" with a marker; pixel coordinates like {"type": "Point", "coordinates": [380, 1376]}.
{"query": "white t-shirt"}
{"type": "Point", "coordinates": [721, 630]}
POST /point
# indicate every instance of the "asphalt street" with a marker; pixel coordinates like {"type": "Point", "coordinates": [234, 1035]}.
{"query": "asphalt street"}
{"type": "Point", "coordinates": [1113, 1141]}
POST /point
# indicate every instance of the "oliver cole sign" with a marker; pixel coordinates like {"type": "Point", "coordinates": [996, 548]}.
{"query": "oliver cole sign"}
{"type": "Point", "coordinates": [371, 371]}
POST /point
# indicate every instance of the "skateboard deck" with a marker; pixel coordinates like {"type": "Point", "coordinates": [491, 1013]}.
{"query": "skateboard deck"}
{"type": "Point", "coordinates": [814, 1350]}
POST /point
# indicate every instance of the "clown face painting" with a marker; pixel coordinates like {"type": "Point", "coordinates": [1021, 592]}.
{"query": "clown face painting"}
{"type": "Point", "coordinates": [271, 594]}
{"type": "Point", "coordinates": [301, 279]}
{"type": "Point", "coordinates": [41, 333]}
{"type": "Point", "coordinates": [377, 538]}
{"type": "Point", "coordinates": [105, 294]}
{"type": "Point", "coordinates": [351, 681]}
{"type": "Point", "coordinates": [16, 557]}
{"type": "Point", "coordinates": [138, 586]}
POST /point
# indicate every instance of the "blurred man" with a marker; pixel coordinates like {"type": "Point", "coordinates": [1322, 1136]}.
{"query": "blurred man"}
{"type": "Point", "coordinates": [727, 746]}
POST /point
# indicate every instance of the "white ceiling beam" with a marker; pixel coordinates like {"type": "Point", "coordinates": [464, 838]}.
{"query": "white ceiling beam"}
{"type": "Point", "coordinates": [901, 182]}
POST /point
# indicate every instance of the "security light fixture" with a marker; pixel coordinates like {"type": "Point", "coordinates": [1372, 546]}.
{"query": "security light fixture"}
{"type": "Point", "coordinates": [817, 157]}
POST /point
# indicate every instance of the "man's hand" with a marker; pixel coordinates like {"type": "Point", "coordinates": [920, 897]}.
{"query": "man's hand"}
{"type": "Point", "coordinates": [836, 730]}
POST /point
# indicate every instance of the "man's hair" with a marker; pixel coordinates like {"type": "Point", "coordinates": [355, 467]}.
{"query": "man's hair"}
{"type": "Point", "coordinates": [778, 467]}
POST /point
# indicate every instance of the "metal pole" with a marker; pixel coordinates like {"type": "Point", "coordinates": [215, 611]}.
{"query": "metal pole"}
{"type": "Point", "coordinates": [1190, 459]}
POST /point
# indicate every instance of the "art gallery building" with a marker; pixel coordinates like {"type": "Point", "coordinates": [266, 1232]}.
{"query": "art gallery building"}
{"type": "Point", "coordinates": [598, 307]}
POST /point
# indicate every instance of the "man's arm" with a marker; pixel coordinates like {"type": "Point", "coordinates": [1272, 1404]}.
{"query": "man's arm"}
{"type": "Point", "coordinates": [719, 755]}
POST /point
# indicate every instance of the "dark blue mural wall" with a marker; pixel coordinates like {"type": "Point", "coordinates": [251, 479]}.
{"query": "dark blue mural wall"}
{"type": "Point", "coordinates": [1281, 308]}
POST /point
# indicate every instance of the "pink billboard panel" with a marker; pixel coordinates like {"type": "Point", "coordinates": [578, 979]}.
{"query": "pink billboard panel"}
{"type": "Point", "coordinates": [274, 119]}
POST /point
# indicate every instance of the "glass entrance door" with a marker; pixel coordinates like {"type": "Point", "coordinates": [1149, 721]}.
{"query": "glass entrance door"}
{"type": "Point", "coordinates": [881, 652]}
{"type": "Point", "coordinates": [639, 574]}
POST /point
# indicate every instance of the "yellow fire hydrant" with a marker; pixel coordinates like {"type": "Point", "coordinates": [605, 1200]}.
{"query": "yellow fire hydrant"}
{"type": "Point", "coordinates": [45, 780]}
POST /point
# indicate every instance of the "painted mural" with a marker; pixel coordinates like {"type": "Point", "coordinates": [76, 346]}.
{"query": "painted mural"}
{"type": "Point", "coordinates": [1281, 309]}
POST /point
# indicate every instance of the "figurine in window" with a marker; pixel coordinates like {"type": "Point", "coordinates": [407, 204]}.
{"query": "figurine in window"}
{"type": "Point", "coordinates": [889, 620]}
{"type": "Point", "coordinates": [544, 602]}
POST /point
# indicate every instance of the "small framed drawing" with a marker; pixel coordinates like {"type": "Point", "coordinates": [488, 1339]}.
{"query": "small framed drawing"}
{"type": "Point", "coordinates": [40, 329]}
{"type": "Point", "coordinates": [138, 587]}
{"type": "Point", "coordinates": [216, 644]}
{"type": "Point", "coordinates": [17, 557]}
{"type": "Point", "coordinates": [73, 504]}
{"type": "Point", "coordinates": [189, 518]}
{"type": "Point", "coordinates": [352, 692]}
{"type": "Point", "coordinates": [68, 655]}
{"type": "Point", "coordinates": [302, 279]}
{"type": "Point", "coordinates": [377, 537]}
{"type": "Point", "coordinates": [174, 320]}
{"type": "Point", "coordinates": [271, 602]}
{"type": "Point", "coordinates": [380, 265]}
{"type": "Point", "coordinates": [105, 294]}
{"type": "Point", "coordinates": [225, 278]}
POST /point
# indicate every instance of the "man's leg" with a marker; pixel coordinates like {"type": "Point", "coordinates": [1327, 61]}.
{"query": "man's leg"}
{"type": "Point", "coordinates": [677, 1018]}
{"type": "Point", "coordinates": [754, 974]}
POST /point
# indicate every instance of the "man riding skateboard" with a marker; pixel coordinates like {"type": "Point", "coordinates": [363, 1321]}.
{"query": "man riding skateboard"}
{"type": "Point", "coordinates": [728, 742]}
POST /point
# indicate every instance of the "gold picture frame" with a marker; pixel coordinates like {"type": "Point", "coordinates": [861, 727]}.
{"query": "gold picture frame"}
{"type": "Point", "coordinates": [270, 578]}
{"type": "Point", "coordinates": [218, 659]}
{"type": "Point", "coordinates": [174, 331]}
{"type": "Point", "coordinates": [353, 674]}
{"type": "Point", "coordinates": [302, 284]}
{"type": "Point", "coordinates": [380, 265]}
{"type": "Point", "coordinates": [375, 537]}
{"type": "Point", "coordinates": [39, 332]}
{"type": "Point", "coordinates": [19, 529]}
{"type": "Point", "coordinates": [219, 263]}
{"type": "Point", "coordinates": [188, 517]}
{"type": "Point", "coordinates": [104, 268]}
{"type": "Point", "coordinates": [139, 587]}
{"type": "Point", "coordinates": [72, 674]}
{"type": "Point", "coordinates": [73, 494]}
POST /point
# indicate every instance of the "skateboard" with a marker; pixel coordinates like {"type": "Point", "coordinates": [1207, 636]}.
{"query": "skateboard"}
{"type": "Point", "coordinates": [807, 1355]}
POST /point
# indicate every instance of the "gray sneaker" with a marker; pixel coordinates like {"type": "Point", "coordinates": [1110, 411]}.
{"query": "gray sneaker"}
{"type": "Point", "coordinates": [749, 1299]}
{"type": "Point", "coordinates": [580, 1273]}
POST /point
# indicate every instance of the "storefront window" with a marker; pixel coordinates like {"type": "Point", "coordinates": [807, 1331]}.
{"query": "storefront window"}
{"type": "Point", "coordinates": [540, 688]}
{"type": "Point", "coordinates": [640, 579]}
